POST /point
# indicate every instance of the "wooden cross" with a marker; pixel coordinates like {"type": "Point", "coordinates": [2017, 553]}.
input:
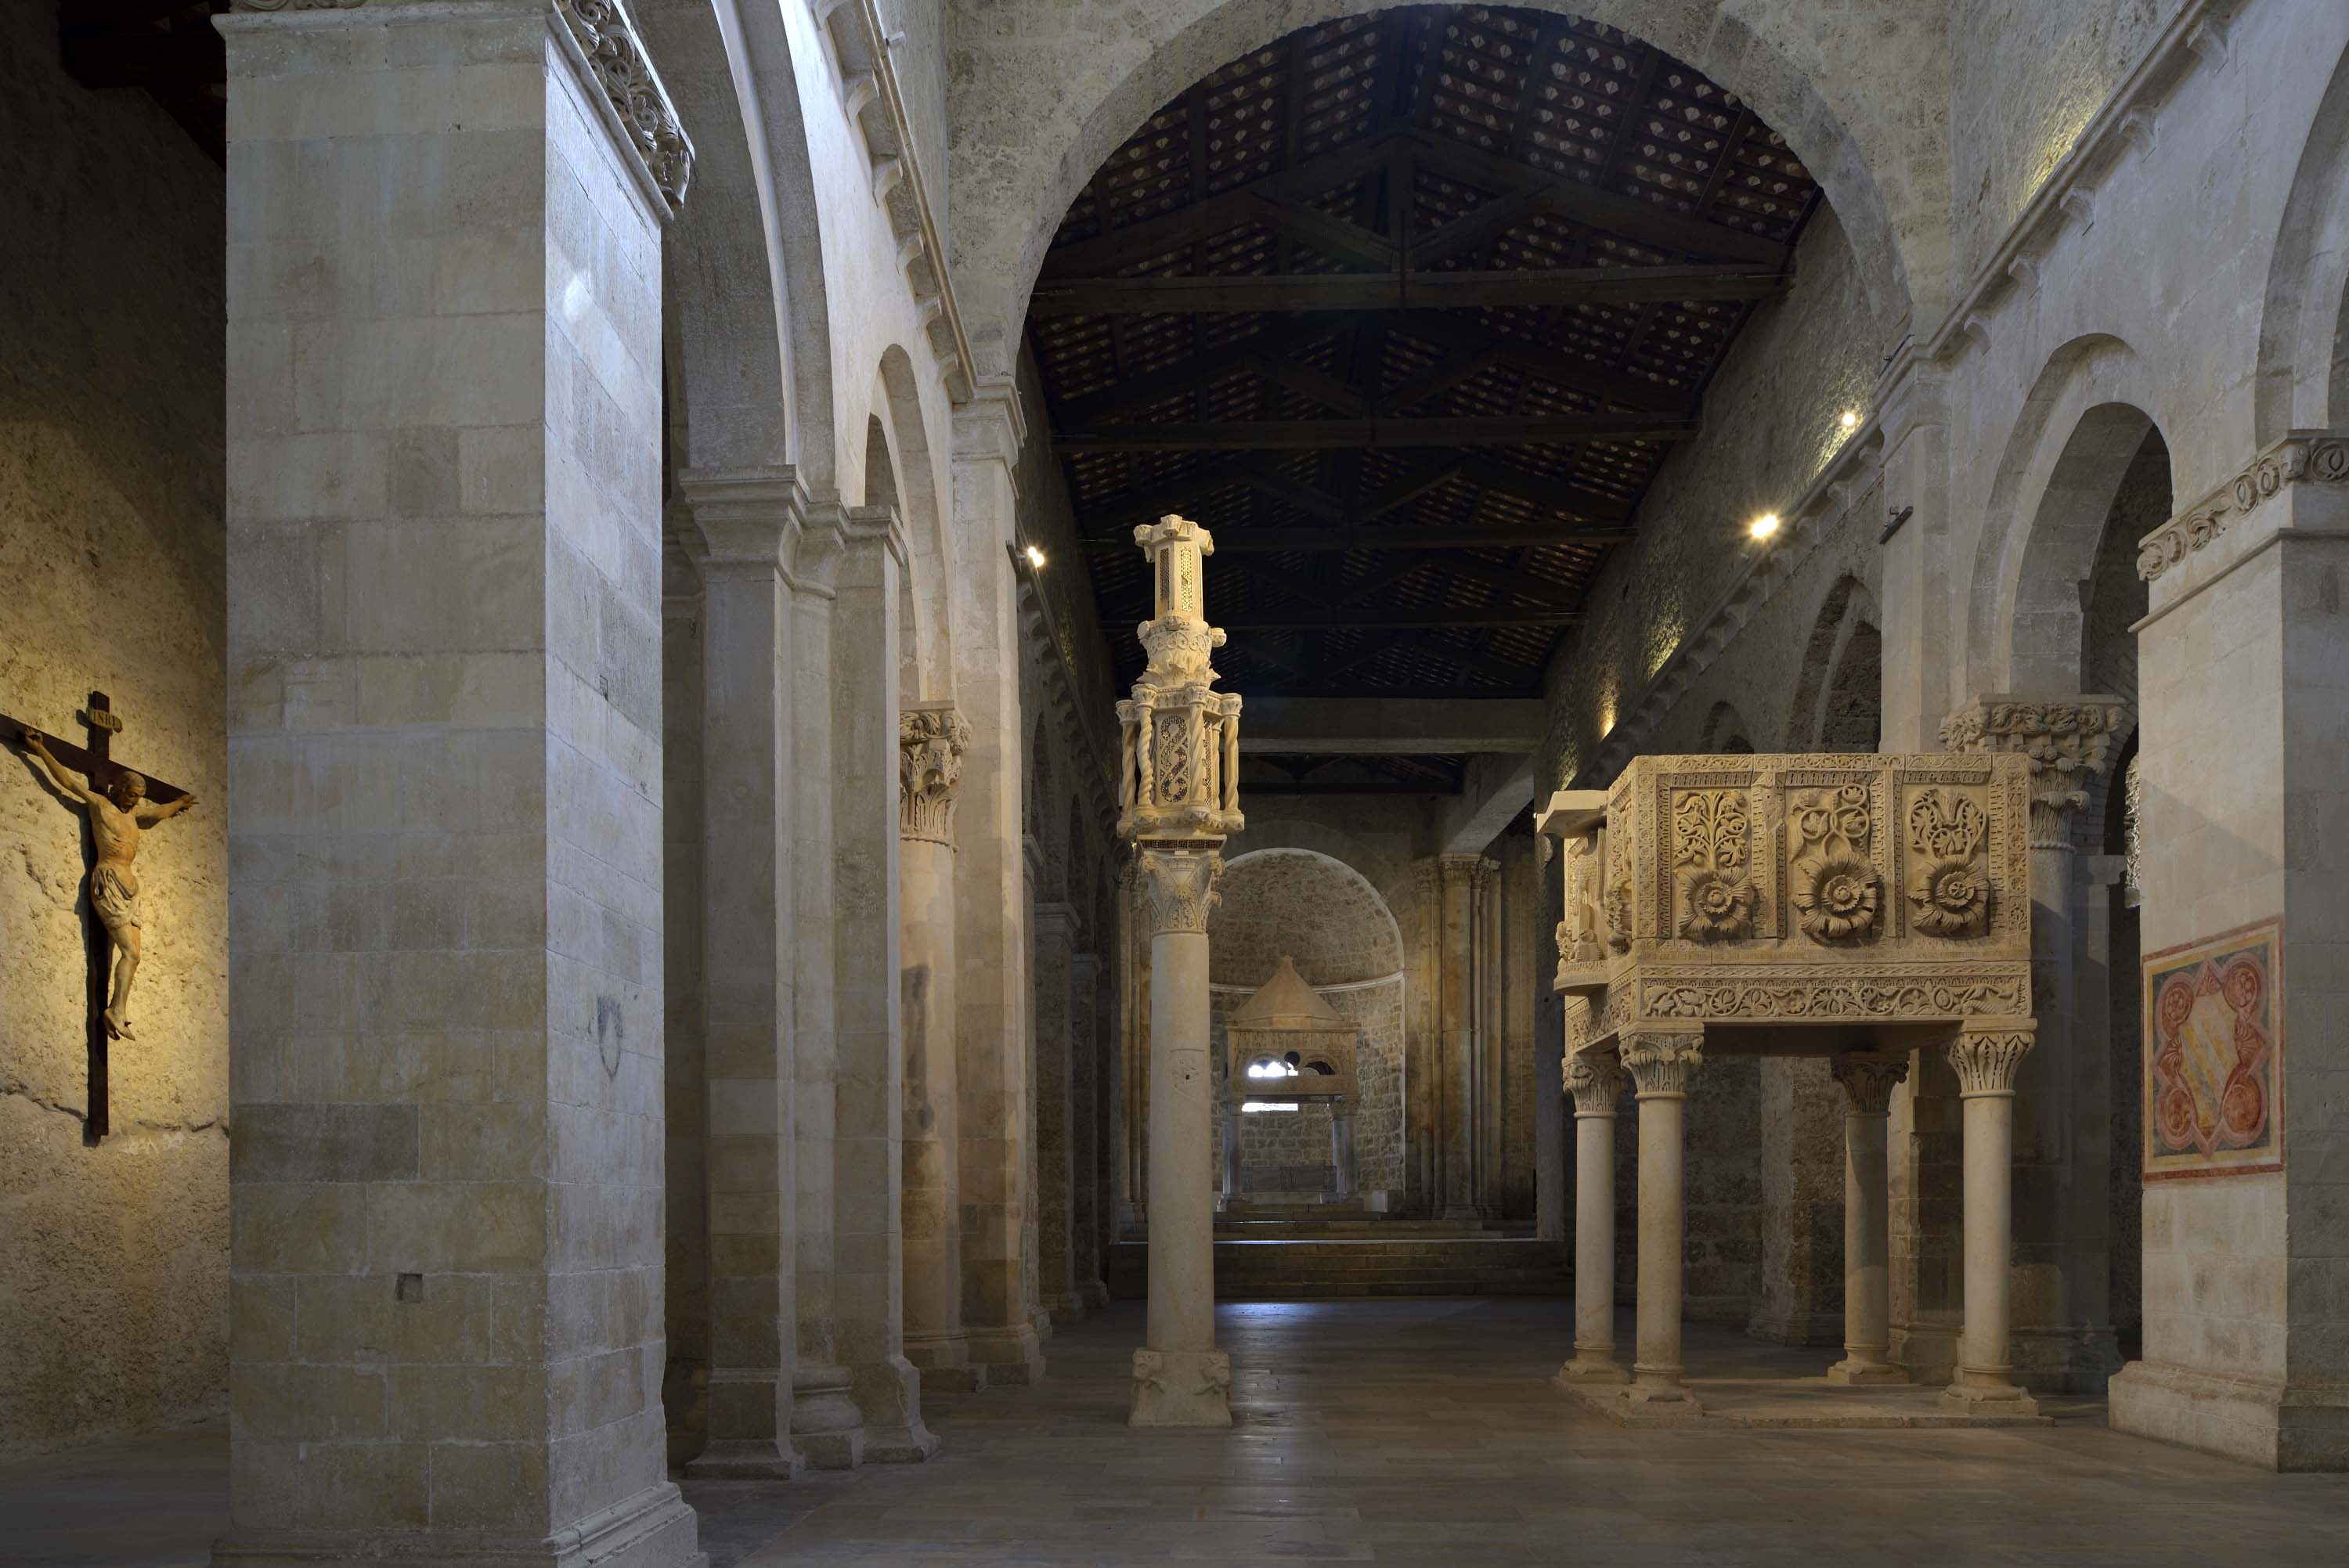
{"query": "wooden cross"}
{"type": "Point", "coordinates": [94, 763]}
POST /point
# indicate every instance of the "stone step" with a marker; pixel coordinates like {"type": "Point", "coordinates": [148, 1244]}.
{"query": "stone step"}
{"type": "Point", "coordinates": [1289, 1268]}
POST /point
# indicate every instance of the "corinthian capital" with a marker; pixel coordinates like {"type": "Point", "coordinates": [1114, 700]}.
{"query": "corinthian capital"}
{"type": "Point", "coordinates": [1595, 1079]}
{"type": "Point", "coordinates": [930, 744]}
{"type": "Point", "coordinates": [1868, 1080]}
{"type": "Point", "coordinates": [1662, 1064]}
{"type": "Point", "coordinates": [1178, 888]}
{"type": "Point", "coordinates": [2066, 739]}
{"type": "Point", "coordinates": [1987, 1059]}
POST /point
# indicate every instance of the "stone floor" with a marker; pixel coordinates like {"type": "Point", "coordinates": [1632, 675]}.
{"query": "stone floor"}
{"type": "Point", "coordinates": [1399, 1432]}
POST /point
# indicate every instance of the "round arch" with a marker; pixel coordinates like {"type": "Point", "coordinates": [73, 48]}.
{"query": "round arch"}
{"type": "Point", "coordinates": [2302, 377]}
{"type": "Point", "coordinates": [901, 474]}
{"type": "Point", "coordinates": [1839, 694]}
{"type": "Point", "coordinates": [1310, 900]}
{"type": "Point", "coordinates": [1032, 165]}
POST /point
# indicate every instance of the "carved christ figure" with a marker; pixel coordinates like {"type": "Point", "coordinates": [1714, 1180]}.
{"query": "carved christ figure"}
{"type": "Point", "coordinates": [117, 817]}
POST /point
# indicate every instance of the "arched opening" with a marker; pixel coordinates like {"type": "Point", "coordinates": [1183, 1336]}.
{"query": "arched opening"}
{"type": "Point", "coordinates": [1726, 731]}
{"type": "Point", "coordinates": [1840, 694]}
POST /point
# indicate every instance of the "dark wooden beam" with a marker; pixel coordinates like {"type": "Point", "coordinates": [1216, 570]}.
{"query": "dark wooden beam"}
{"type": "Point", "coordinates": [1403, 291]}
{"type": "Point", "coordinates": [1316, 434]}
{"type": "Point", "coordinates": [1247, 539]}
{"type": "Point", "coordinates": [1459, 336]}
{"type": "Point", "coordinates": [1189, 374]}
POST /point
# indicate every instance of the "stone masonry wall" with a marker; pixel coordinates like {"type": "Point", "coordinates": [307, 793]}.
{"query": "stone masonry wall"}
{"type": "Point", "coordinates": [113, 1259]}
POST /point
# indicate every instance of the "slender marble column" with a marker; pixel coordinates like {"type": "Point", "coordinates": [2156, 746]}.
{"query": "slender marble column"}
{"type": "Point", "coordinates": [1085, 1130]}
{"type": "Point", "coordinates": [1055, 935]}
{"type": "Point", "coordinates": [1661, 1065]}
{"type": "Point", "coordinates": [1867, 1083]}
{"type": "Point", "coordinates": [1596, 1082]}
{"type": "Point", "coordinates": [1456, 1063]}
{"type": "Point", "coordinates": [1180, 1379]}
{"type": "Point", "coordinates": [1986, 1061]}
{"type": "Point", "coordinates": [931, 739]}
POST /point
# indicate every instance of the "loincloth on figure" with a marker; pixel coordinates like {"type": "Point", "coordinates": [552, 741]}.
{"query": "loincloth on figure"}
{"type": "Point", "coordinates": [114, 897]}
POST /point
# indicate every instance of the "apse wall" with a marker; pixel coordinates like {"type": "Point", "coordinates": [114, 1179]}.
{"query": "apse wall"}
{"type": "Point", "coordinates": [1324, 915]}
{"type": "Point", "coordinates": [113, 1258]}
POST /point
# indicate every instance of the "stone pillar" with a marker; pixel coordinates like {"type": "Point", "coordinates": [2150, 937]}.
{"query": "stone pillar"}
{"type": "Point", "coordinates": [444, 764]}
{"type": "Point", "coordinates": [1422, 1074]}
{"type": "Point", "coordinates": [991, 906]}
{"type": "Point", "coordinates": [1867, 1083]}
{"type": "Point", "coordinates": [2243, 817]}
{"type": "Point", "coordinates": [1485, 1107]}
{"type": "Point", "coordinates": [869, 1090]}
{"type": "Point", "coordinates": [931, 739]}
{"type": "Point", "coordinates": [685, 1086]}
{"type": "Point", "coordinates": [1056, 935]}
{"type": "Point", "coordinates": [1133, 1122]}
{"type": "Point", "coordinates": [1341, 1146]}
{"type": "Point", "coordinates": [1550, 1088]}
{"type": "Point", "coordinates": [1661, 1065]}
{"type": "Point", "coordinates": [1085, 1128]}
{"type": "Point", "coordinates": [745, 528]}
{"type": "Point", "coordinates": [1456, 1061]}
{"type": "Point", "coordinates": [1596, 1082]}
{"type": "Point", "coordinates": [1180, 1379]}
{"type": "Point", "coordinates": [1229, 1151]}
{"type": "Point", "coordinates": [1986, 1061]}
{"type": "Point", "coordinates": [2062, 1112]}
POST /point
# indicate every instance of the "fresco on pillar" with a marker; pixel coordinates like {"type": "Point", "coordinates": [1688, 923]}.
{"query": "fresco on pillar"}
{"type": "Point", "coordinates": [2213, 1039]}
{"type": "Point", "coordinates": [1865, 892]}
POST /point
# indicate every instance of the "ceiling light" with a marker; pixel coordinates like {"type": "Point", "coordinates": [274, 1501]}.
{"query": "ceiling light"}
{"type": "Point", "coordinates": [1765, 526]}
{"type": "Point", "coordinates": [1850, 420]}
{"type": "Point", "coordinates": [1035, 557]}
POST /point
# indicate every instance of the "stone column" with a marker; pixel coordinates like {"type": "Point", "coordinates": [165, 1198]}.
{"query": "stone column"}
{"type": "Point", "coordinates": [1485, 1108]}
{"type": "Point", "coordinates": [990, 898]}
{"type": "Point", "coordinates": [745, 528]}
{"type": "Point", "coordinates": [931, 739]}
{"type": "Point", "coordinates": [1229, 1149]}
{"type": "Point", "coordinates": [1986, 1061]}
{"type": "Point", "coordinates": [1133, 1122]}
{"type": "Point", "coordinates": [1085, 1128]}
{"type": "Point", "coordinates": [1341, 1145]}
{"type": "Point", "coordinates": [1867, 1083]}
{"type": "Point", "coordinates": [1180, 1379]}
{"type": "Point", "coordinates": [1596, 1082]}
{"type": "Point", "coordinates": [444, 801]}
{"type": "Point", "coordinates": [1661, 1065]}
{"type": "Point", "coordinates": [2063, 1108]}
{"type": "Point", "coordinates": [869, 1090]}
{"type": "Point", "coordinates": [1456, 1061]}
{"type": "Point", "coordinates": [1422, 1075]}
{"type": "Point", "coordinates": [1056, 1193]}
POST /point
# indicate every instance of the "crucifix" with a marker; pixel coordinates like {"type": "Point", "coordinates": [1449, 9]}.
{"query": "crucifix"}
{"type": "Point", "coordinates": [118, 806]}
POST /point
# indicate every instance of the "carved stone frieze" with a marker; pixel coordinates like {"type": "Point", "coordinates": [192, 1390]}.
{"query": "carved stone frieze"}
{"type": "Point", "coordinates": [1867, 1080]}
{"type": "Point", "coordinates": [930, 746]}
{"type": "Point", "coordinates": [1987, 1059]}
{"type": "Point", "coordinates": [1661, 1064]}
{"type": "Point", "coordinates": [1836, 994]}
{"type": "Point", "coordinates": [1178, 887]}
{"type": "Point", "coordinates": [2303, 458]}
{"type": "Point", "coordinates": [2064, 738]}
{"type": "Point", "coordinates": [1595, 1079]}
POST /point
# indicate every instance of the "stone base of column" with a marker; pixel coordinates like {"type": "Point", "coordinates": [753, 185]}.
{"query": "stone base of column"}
{"type": "Point", "coordinates": [1093, 1293]}
{"type": "Point", "coordinates": [889, 1393]}
{"type": "Point", "coordinates": [944, 1362]}
{"type": "Point", "coordinates": [1651, 1405]}
{"type": "Point", "coordinates": [1927, 1347]}
{"type": "Point", "coordinates": [1181, 1389]}
{"type": "Point", "coordinates": [2065, 1360]}
{"type": "Point", "coordinates": [2263, 1422]}
{"type": "Point", "coordinates": [1992, 1392]}
{"type": "Point", "coordinates": [1596, 1366]}
{"type": "Point", "coordinates": [745, 1459]}
{"type": "Point", "coordinates": [1040, 1321]}
{"type": "Point", "coordinates": [1010, 1356]}
{"type": "Point", "coordinates": [1065, 1309]}
{"type": "Point", "coordinates": [1862, 1371]}
{"type": "Point", "coordinates": [654, 1529]}
{"type": "Point", "coordinates": [827, 1428]}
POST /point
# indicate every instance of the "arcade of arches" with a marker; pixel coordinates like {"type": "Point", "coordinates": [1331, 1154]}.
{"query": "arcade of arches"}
{"type": "Point", "coordinates": [653, 1042]}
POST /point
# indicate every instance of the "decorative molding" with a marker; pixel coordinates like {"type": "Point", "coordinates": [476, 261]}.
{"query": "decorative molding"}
{"type": "Point", "coordinates": [1595, 1079]}
{"type": "Point", "coordinates": [1661, 1064]}
{"type": "Point", "coordinates": [2065, 738]}
{"type": "Point", "coordinates": [2304, 457]}
{"type": "Point", "coordinates": [1987, 1059]}
{"type": "Point", "coordinates": [608, 37]}
{"type": "Point", "coordinates": [1867, 1080]}
{"type": "Point", "coordinates": [1179, 887]}
{"type": "Point", "coordinates": [931, 742]}
{"type": "Point", "coordinates": [1838, 993]}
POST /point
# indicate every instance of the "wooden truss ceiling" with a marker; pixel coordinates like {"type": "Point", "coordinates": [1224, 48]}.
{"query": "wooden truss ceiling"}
{"type": "Point", "coordinates": [1407, 308]}
{"type": "Point", "coordinates": [170, 47]}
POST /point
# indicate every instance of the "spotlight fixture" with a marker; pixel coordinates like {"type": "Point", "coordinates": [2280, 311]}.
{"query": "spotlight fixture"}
{"type": "Point", "coordinates": [1035, 557]}
{"type": "Point", "coordinates": [1850, 420]}
{"type": "Point", "coordinates": [1765, 526]}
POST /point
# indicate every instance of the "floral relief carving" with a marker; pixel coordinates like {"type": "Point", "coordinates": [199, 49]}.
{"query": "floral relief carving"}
{"type": "Point", "coordinates": [1952, 892]}
{"type": "Point", "coordinates": [1178, 888]}
{"type": "Point", "coordinates": [1595, 1079]}
{"type": "Point", "coordinates": [1836, 889]}
{"type": "Point", "coordinates": [930, 746]}
{"type": "Point", "coordinates": [608, 36]}
{"type": "Point", "coordinates": [2066, 739]}
{"type": "Point", "coordinates": [1711, 854]}
{"type": "Point", "coordinates": [1832, 994]}
{"type": "Point", "coordinates": [2296, 460]}
{"type": "Point", "coordinates": [1987, 1059]}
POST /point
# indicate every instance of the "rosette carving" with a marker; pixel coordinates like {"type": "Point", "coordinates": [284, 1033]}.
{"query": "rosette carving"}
{"type": "Point", "coordinates": [1720, 909]}
{"type": "Point", "coordinates": [1711, 833]}
{"type": "Point", "coordinates": [1952, 893]}
{"type": "Point", "coordinates": [1836, 888]}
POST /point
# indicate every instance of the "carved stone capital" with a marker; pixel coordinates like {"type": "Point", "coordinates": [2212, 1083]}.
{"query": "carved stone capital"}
{"type": "Point", "coordinates": [1595, 1079]}
{"type": "Point", "coordinates": [930, 746]}
{"type": "Point", "coordinates": [1661, 1064]}
{"type": "Point", "coordinates": [2304, 457]}
{"type": "Point", "coordinates": [1459, 870]}
{"type": "Point", "coordinates": [2066, 739]}
{"type": "Point", "coordinates": [1987, 1059]}
{"type": "Point", "coordinates": [1178, 888]}
{"type": "Point", "coordinates": [1867, 1080]}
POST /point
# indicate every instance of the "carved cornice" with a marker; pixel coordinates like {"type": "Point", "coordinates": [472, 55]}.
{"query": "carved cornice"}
{"type": "Point", "coordinates": [1661, 1064]}
{"type": "Point", "coordinates": [2304, 457]}
{"type": "Point", "coordinates": [1595, 1079]}
{"type": "Point", "coordinates": [1868, 1080]}
{"type": "Point", "coordinates": [1785, 994]}
{"type": "Point", "coordinates": [741, 519]}
{"type": "Point", "coordinates": [2066, 739]}
{"type": "Point", "coordinates": [1178, 888]}
{"type": "Point", "coordinates": [1987, 1059]}
{"type": "Point", "coordinates": [930, 746]}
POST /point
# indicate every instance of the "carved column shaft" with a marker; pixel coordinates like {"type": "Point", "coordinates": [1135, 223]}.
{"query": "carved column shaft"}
{"type": "Point", "coordinates": [1661, 1065]}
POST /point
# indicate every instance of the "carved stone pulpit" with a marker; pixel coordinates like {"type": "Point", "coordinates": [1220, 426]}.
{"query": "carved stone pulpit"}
{"type": "Point", "coordinates": [1286, 1046]}
{"type": "Point", "coordinates": [1852, 906]}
